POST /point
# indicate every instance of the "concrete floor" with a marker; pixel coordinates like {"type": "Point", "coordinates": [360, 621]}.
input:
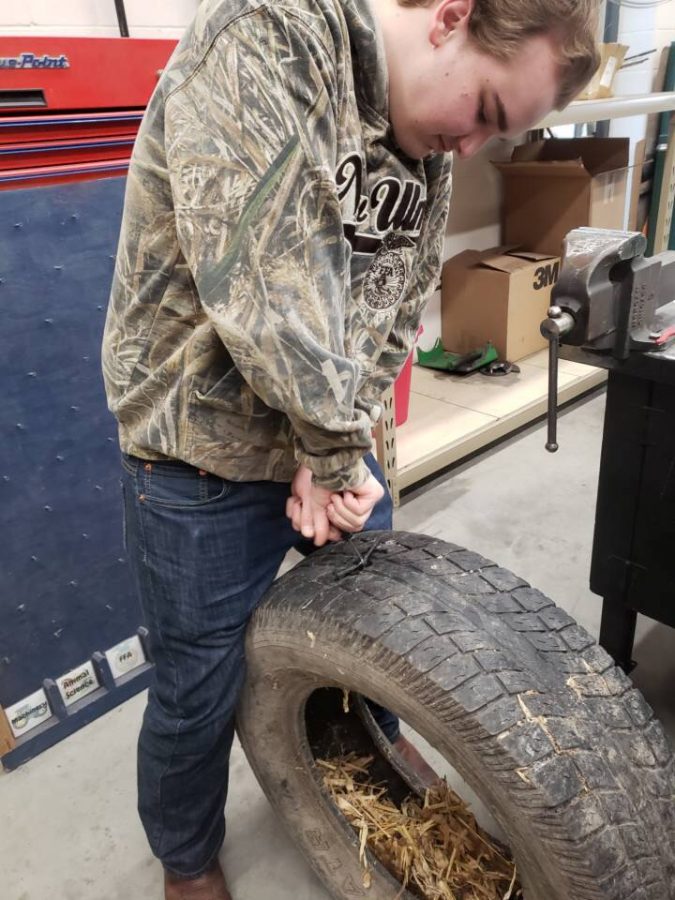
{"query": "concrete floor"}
{"type": "Point", "coordinates": [69, 829]}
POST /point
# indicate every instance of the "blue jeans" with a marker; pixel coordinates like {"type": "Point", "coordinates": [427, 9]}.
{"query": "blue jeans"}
{"type": "Point", "coordinates": [203, 552]}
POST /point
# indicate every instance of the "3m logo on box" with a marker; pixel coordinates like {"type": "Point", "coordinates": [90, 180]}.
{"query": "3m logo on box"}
{"type": "Point", "coordinates": [546, 275]}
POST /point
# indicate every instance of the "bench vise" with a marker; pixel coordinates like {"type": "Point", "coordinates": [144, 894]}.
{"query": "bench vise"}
{"type": "Point", "coordinates": [609, 300]}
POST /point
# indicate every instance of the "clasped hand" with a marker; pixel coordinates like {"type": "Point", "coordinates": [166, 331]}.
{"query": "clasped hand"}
{"type": "Point", "coordinates": [321, 515]}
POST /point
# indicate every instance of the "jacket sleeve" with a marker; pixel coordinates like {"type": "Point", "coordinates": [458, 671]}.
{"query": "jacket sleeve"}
{"type": "Point", "coordinates": [251, 142]}
{"type": "Point", "coordinates": [401, 338]}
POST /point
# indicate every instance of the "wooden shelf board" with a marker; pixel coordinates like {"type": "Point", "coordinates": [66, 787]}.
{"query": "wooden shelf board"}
{"type": "Point", "coordinates": [452, 416]}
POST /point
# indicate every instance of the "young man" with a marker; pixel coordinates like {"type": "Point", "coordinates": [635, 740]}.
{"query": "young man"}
{"type": "Point", "coordinates": [283, 229]}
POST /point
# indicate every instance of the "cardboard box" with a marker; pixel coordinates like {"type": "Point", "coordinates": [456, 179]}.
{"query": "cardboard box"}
{"type": "Point", "coordinates": [499, 295]}
{"type": "Point", "coordinates": [636, 187]}
{"type": "Point", "coordinates": [553, 186]}
{"type": "Point", "coordinates": [601, 85]}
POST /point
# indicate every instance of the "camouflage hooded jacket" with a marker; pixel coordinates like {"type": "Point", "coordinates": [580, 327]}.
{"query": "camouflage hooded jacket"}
{"type": "Point", "coordinates": [276, 250]}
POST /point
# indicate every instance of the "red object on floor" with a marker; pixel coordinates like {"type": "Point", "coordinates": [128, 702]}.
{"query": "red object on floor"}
{"type": "Point", "coordinates": [402, 392]}
{"type": "Point", "coordinates": [402, 389]}
{"type": "Point", "coordinates": [70, 108]}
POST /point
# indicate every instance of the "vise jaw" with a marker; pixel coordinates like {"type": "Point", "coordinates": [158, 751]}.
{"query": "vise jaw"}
{"type": "Point", "coordinates": [611, 291]}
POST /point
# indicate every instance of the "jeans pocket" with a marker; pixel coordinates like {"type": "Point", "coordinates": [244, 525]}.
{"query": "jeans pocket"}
{"type": "Point", "coordinates": [179, 486]}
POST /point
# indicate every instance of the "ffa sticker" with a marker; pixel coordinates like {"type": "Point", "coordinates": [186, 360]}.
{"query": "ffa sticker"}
{"type": "Point", "coordinates": [125, 656]}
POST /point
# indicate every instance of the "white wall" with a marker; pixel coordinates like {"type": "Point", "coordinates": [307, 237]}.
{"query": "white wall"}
{"type": "Point", "coordinates": [665, 22]}
{"type": "Point", "coordinates": [641, 30]}
{"type": "Point", "coordinates": [95, 18]}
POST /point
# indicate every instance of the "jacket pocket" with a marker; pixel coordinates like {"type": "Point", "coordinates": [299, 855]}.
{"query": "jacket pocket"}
{"type": "Point", "coordinates": [231, 410]}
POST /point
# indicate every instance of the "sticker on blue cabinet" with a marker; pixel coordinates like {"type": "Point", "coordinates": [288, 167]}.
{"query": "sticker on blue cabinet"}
{"type": "Point", "coordinates": [28, 713]}
{"type": "Point", "coordinates": [125, 656]}
{"type": "Point", "coordinates": [77, 683]}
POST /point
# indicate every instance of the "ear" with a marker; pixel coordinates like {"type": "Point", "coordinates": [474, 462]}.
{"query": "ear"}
{"type": "Point", "coordinates": [448, 16]}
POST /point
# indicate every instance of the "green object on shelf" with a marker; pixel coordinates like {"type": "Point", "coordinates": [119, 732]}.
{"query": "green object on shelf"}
{"type": "Point", "coordinates": [460, 363]}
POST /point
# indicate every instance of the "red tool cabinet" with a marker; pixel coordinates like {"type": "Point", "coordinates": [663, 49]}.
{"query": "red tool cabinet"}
{"type": "Point", "coordinates": [70, 107]}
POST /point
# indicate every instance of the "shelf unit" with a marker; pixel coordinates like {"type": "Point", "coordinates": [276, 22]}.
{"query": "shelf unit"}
{"type": "Point", "coordinates": [451, 416]}
{"type": "Point", "coordinates": [611, 108]}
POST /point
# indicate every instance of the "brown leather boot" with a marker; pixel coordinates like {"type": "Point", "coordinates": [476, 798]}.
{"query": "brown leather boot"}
{"type": "Point", "coordinates": [411, 755]}
{"type": "Point", "coordinates": [209, 886]}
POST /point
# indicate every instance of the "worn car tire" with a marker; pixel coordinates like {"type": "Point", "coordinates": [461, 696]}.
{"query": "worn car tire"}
{"type": "Point", "coordinates": [519, 699]}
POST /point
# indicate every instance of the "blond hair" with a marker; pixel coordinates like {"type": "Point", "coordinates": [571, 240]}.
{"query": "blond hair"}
{"type": "Point", "coordinates": [499, 27]}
